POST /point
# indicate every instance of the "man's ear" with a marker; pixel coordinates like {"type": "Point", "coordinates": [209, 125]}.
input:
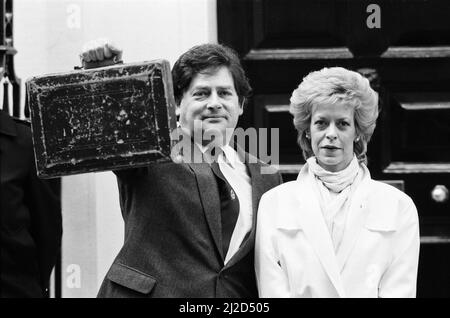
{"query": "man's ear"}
{"type": "Point", "coordinates": [177, 108]}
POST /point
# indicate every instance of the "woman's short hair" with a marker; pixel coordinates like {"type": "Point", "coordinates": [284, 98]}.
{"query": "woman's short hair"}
{"type": "Point", "coordinates": [206, 58]}
{"type": "Point", "coordinates": [335, 85]}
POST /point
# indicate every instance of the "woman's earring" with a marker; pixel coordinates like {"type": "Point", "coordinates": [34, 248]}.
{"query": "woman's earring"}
{"type": "Point", "coordinates": [307, 136]}
{"type": "Point", "coordinates": [357, 139]}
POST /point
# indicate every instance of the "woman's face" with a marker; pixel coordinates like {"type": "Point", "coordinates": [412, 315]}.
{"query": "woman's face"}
{"type": "Point", "coordinates": [333, 132]}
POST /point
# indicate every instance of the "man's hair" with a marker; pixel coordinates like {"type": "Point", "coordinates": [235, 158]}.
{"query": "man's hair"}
{"type": "Point", "coordinates": [207, 58]}
{"type": "Point", "coordinates": [333, 86]}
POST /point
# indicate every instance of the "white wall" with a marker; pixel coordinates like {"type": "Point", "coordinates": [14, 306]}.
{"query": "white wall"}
{"type": "Point", "coordinates": [48, 35]}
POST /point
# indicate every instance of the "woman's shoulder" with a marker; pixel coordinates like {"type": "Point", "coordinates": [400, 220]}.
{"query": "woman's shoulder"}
{"type": "Point", "coordinates": [388, 202]}
{"type": "Point", "coordinates": [384, 190]}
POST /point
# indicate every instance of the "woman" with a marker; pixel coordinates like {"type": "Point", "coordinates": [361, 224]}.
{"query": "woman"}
{"type": "Point", "coordinates": [335, 232]}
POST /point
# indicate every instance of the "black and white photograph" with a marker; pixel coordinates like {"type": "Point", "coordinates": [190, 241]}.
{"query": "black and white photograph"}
{"type": "Point", "coordinates": [247, 151]}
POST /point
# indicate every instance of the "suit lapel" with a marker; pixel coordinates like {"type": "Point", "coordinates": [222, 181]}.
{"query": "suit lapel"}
{"type": "Point", "coordinates": [316, 231]}
{"type": "Point", "coordinates": [208, 191]}
{"type": "Point", "coordinates": [258, 188]}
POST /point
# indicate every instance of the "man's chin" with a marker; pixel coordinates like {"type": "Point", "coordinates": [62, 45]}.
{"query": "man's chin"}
{"type": "Point", "coordinates": [213, 128]}
{"type": "Point", "coordinates": [218, 134]}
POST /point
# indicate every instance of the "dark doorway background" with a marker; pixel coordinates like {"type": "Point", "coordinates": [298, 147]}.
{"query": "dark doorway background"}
{"type": "Point", "coordinates": [408, 62]}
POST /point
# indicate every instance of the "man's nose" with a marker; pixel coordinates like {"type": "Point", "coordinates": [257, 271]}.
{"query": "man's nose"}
{"type": "Point", "coordinates": [214, 101]}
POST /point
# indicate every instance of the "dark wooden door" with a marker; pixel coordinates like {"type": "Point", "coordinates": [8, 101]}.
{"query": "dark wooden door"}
{"type": "Point", "coordinates": [404, 48]}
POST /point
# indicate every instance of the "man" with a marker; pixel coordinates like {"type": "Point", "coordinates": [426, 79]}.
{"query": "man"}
{"type": "Point", "coordinates": [31, 223]}
{"type": "Point", "coordinates": [190, 227]}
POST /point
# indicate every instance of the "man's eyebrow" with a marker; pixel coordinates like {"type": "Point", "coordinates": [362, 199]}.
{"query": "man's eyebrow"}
{"type": "Point", "coordinates": [201, 87]}
{"type": "Point", "coordinates": [209, 87]}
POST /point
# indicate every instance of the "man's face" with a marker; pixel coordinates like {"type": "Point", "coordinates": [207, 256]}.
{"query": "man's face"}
{"type": "Point", "coordinates": [211, 102]}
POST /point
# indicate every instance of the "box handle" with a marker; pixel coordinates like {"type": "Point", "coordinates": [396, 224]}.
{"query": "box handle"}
{"type": "Point", "coordinates": [95, 64]}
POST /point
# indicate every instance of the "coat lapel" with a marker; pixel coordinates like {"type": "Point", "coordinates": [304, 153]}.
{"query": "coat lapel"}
{"type": "Point", "coordinates": [316, 231]}
{"type": "Point", "coordinates": [356, 220]}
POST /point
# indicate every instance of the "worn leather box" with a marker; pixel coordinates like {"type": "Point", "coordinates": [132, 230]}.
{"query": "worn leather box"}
{"type": "Point", "coordinates": [101, 119]}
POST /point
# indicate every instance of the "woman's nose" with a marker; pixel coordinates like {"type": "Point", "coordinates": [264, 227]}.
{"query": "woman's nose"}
{"type": "Point", "coordinates": [331, 132]}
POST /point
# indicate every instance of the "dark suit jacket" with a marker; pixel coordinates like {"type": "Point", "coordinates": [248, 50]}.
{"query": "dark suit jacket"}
{"type": "Point", "coordinates": [173, 238]}
{"type": "Point", "coordinates": [31, 226]}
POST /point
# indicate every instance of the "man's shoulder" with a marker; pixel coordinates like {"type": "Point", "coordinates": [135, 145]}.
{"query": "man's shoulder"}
{"type": "Point", "coordinates": [158, 171]}
{"type": "Point", "coordinates": [269, 170]}
{"type": "Point", "coordinates": [249, 158]}
{"type": "Point", "coordinates": [269, 174]}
